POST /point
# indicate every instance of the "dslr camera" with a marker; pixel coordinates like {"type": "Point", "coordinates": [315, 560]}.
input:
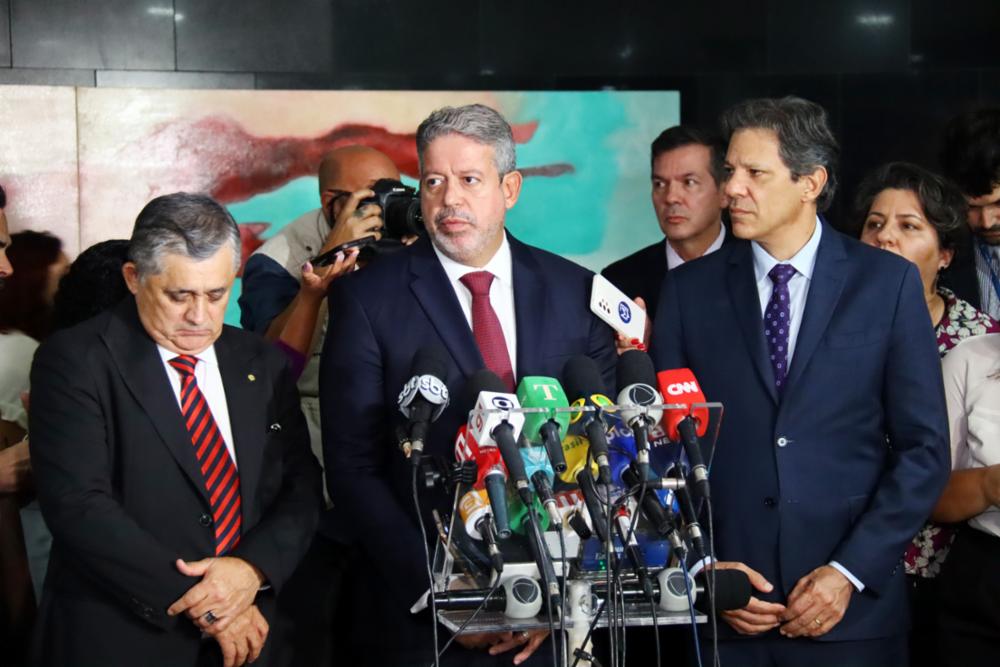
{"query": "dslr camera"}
{"type": "Point", "coordinates": [400, 206]}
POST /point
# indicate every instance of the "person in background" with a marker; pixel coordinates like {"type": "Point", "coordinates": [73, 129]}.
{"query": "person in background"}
{"type": "Point", "coordinates": [38, 262]}
{"type": "Point", "coordinates": [284, 298]}
{"type": "Point", "coordinates": [969, 583]}
{"type": "Point", "coordinates": [5, 268]}
{"type": "Point", "coordinates": [918, 215]}
{"type": "Point", "coordinates": [971, 159]}
{"type": "Point", "coordinates": [93, 284]}
{"type": "Point", "coordinates": [686, 175]}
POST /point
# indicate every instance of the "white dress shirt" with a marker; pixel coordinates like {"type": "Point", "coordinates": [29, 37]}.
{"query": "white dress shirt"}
{"type": "Point", "coordinates": [674, 260]}
{"type": "Point", "coordinates": [501, 292]}
{"type": "Point", "coordinates": [972, 391]}
{"type": "Point", "coordinates": [209, 379]}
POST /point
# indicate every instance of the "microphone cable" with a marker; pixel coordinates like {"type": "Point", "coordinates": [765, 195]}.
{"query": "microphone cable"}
{"type": "Point", "coordinates": [430, 567]}
{"type": "Point", "coordinates": [694, 622]}
{"type": "Point", "coordinates": [533, 520]}
{"type": "Point", "coordinates": [482, 605]}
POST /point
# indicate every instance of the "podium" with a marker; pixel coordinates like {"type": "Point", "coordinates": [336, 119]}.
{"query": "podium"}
{"type": "Point", "coordinates": [595, 591]}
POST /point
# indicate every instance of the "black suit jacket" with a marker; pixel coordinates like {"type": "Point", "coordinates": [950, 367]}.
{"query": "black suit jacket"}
{"type": "Point", "coordinates": [642, 272]}
{"type": "Point", "coordinates": [121, 490]}
{"type": "Point", "coordinates": [379, 318]}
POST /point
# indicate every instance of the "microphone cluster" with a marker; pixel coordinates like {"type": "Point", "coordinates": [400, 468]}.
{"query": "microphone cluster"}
{"type": "Point", "coordinates": [576, 459]}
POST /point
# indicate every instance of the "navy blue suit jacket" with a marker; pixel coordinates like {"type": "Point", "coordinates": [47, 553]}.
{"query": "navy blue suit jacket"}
{"type": "Point", "coordinates": [379, 318]}
{"type": "Point", "coordinates": [848, 462]}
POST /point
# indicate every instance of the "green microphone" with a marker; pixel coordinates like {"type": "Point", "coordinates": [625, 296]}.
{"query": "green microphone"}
{"type": "Point", "coordinates": [537, 391]}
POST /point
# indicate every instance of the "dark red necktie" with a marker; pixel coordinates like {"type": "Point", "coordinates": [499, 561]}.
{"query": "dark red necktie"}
{"type": "Point", "coordinates": [222, 481]}
{"type": "Point", "coordinates": [486, 326]}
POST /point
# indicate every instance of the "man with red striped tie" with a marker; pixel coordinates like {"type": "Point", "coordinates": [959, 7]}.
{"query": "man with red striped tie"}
{"type": "Point", "coordinates": [172, 462]}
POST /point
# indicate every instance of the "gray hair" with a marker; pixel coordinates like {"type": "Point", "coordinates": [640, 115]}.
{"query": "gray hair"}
{"type": "Point", "coordinates": [475, 121]}
{"type": "Point", "coordinates": [181, 223]}
{"type": "Point", "coordinates": [805, 141]}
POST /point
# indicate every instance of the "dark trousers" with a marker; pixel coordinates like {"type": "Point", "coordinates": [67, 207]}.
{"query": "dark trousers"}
{"type": "Point", "coordinates": [970, 601]}
{"type": "Point", "coordinates": [925, 625]}
{"type": "Point", "coordinates": [774, 650]}
{"type": "Point", "coordinates": [304, 632]}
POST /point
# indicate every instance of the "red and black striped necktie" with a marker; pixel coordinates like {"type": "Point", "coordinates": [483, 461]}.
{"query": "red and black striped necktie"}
{"type": "Point", "coordinates": [217, 468]}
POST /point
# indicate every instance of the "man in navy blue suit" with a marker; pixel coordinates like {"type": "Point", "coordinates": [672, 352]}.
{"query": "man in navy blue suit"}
{"type": "Point", "coordinates": [833, 447]}
{"type": "Point", "coordinates": [490, 301]}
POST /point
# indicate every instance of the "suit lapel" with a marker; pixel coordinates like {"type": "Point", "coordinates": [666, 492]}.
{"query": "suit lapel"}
{"type": "Point", "coordinates": [243, 397]}
{"type": "Point", "coordinates": [437, 297]}
{"type": "Point", "coordinates": [136, 356]}
{"type": "Point", "coordinates": [743, 294]}
{"type": "Point", "coordinates": [825, 289]}
{"type": "Point", "coordinates": [530, 306]}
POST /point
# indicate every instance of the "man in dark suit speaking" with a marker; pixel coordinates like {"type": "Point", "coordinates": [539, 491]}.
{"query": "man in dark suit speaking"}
{"type": "Point", "coordinates": [490, 301]}
{"type": "Point", "coordinates": [172, 461]}
{"type": "Point", "coordinates": [833, 448]}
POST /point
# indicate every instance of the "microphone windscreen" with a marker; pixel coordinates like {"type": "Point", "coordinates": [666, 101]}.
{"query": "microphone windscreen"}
{"type": "Point", "coordinates": [582, 379]}
{"type": "Point", "coordinates": [482, 380]}
{"type": "Point", "coordinates": [732, 590]}
{"type": "Point", "coordinates": [635, 367]}
{"type": "Point", "coordinates": [431, 359]}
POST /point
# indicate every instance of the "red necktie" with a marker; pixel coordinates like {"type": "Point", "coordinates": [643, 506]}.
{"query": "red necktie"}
{"type": "Point", "coordinates": [486, 326]}
{"type": "Point", "coordinates": [222, 481]}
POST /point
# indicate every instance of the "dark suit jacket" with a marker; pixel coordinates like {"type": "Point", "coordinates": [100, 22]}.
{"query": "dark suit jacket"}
{"type": "Point", "coordinates": [379, 318]}
{"type": "Point", "coordinates": [810, 477]}
{"type": "Point", "coordinates": [641, 273]}
{"type": "Point", "coordinates": [120, 487]}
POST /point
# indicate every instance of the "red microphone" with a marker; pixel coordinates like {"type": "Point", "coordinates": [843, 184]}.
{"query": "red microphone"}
{"type": "Point", "coordinates": [491, 475]}
{"type": "Point", "coordinates": [686, 424]}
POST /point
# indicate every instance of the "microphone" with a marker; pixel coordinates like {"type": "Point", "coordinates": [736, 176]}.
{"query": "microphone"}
{"type": "Point", "coordinates": [575, 448]}
{"type": "Point", "coordinates": [474, 510]}
{"type": "Point", "coordinates": [539, 470]}
{"type": "Point", "coordinates": [686, 425]}
{"type": "Point", "coordinates": [661, 517]}
{"type": "Point", "coordinates": [518, 597]}
{"type": "Point", "coordinates": [732, 590]}
{"type": "Point", "coordinates": [636, 392]}
{"type": "Point", "coordinates": [593, 503]}
{"type": "Point", "coordinates": [584, 384]}
{"type": "Point", "coordinates": [546, 428]}
{"type": "Point", "coordinates": [491, 475]}
{"type": "Point", "coordinates": [500, 429]}
{"type": "Point", "coordinates": [690, 517]}
{"type": "Point", "coordinates": [424, 397]}
{"type": "Point", "coordinates": [623, 520]}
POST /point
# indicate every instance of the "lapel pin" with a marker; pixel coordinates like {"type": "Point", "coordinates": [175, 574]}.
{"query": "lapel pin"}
{"type": "Point", "coordinates": [252, 377]}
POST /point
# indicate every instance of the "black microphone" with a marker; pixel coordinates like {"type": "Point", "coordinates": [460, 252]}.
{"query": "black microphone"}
{"type": "Point", "coordinates": [691, 525]}
{"type": "Point", "coordinates": [518, 597]}
{"type": "Point", "coordinates": [593, 503]}
{"type": "Point", "coordinates": [732, 591]}
{"type": "Point", "coordinates": [424, 397]}
{"type": "Point", "coordinates": [636, 377]}
{"type": "Point", "coordinates": [661, 517]}
{"type": "Point", "coordinates": [583, 382]}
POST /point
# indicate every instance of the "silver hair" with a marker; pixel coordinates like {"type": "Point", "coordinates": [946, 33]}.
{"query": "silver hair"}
{"type": "Point", "coordinates": [181, 223]}
{"type": "Point", "coordinates": [477, 122]}
{"type": "Point", "coordinates": [805, 141]}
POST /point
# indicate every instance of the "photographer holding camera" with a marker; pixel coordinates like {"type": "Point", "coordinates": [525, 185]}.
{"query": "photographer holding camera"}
{"type": "Point", "coordinates": [284, 298]}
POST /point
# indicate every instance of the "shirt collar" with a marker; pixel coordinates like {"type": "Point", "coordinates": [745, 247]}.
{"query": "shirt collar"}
{"type": "Point", "coordinates": [500, 265]}
{"type": "Point", "coordinates": [674, 260]}
{"type": "Point", "coordinates": [207, 355]}
{"type": "Point", "coordinates": [804, 260]}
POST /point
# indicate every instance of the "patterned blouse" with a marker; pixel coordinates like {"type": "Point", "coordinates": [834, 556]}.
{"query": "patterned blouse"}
{"type": "Point", "coordinates": [961, 320]}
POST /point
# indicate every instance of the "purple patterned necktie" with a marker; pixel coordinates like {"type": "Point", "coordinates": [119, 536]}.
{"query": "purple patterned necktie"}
{"type": "Point", "coordinates": [777, 321]}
